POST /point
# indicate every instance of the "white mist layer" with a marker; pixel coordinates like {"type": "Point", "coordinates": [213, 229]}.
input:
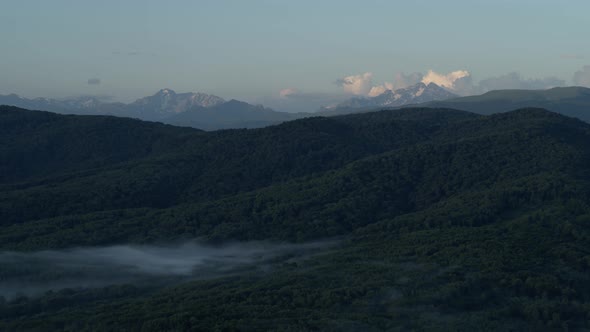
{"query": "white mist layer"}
{"type": "Point", "coordinates": [33, 273]}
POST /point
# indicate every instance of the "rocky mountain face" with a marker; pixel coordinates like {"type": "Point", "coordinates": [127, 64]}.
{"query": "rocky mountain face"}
{"type": "Point", "coordinates": [197, 110]}
{"type": "Point", "coordinates": [166, 102]}
{"type": "Point", "coordinates": [418, 93]}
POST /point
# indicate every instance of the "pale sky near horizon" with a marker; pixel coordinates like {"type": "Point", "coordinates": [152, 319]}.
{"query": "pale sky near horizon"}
{"type": "Point", "coordinates": [253, 49]}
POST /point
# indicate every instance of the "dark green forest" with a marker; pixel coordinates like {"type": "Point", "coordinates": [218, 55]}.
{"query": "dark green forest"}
{"type": "Point", "coordinates": [443, 220]}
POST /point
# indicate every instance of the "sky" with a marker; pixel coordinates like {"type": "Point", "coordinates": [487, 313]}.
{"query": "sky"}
{"type": "Point", "coordinates": [275, 51]}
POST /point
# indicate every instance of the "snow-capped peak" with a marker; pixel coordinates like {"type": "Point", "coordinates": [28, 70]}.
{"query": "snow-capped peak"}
{"type": "Point", "coordinates": [418, 93]}
{"type": "Point", "coordinates": [166, 92]}
{"type": "Point", "coordinates": [167, 101]}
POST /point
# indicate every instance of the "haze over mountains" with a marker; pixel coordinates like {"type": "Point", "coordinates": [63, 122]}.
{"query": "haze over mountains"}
{"type": "Point", "coordinates": [197, 110]}
{"type": "Point", "coordinates": [210, 112]}
{"type": "Point", "coordinates": [571, 101]}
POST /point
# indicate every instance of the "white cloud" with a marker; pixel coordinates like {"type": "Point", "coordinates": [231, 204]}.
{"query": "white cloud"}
{"type": "Point", "coordinates": [445, 80]}
{"type": "Point", "coordinates": [459, 82]}
{"type": "Point", "coordinates": [582, 77]}
{"type": "Point", "coordinates": [379, 89]}
{"type": "Point", "coordinates": [357, 84]}
{"type": "Point", "coordinates": [293, 100]}
{"type": "Point", "coordinates": [403, 80]}
{"type": "Point", "coordinates": [464, 86]}
{"type": "Point", "coordinates": [288, 92]}
{"type": "Point", "coordinates": [363, 84]}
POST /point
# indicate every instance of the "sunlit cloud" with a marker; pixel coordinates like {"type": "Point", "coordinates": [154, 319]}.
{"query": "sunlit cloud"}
{"type": "Point", "coordinates": [357, 84]}
{"type": "Point", "coordinates": [362, 84]}
{"type": "Point", "coordinates": [444, 80]}
{"type": "Point", "coordinates": [288, 92]}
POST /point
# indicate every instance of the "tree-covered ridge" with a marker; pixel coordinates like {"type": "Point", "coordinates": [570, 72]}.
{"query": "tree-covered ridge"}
{"type": "Point", "coordinates": [447, 221]}
{"type": "Point", "coordinates": [38, 144]}
{"type": "Point", "coordinates": [212, 165]}
{"type": "Point", "coordinates": [571, 101]}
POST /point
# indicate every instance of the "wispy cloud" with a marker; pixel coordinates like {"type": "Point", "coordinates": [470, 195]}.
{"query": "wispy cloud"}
{"type": "Point", "coordinates": [34, 273]}
{"type": "Point", "coordinates": [284, 93]}
{"type": "Point", "coordinates": [572, 56]}
{"type": "Point", "coordinates": [294, 100]}
{"type": "Point", "coordinates": [582, 77]}
{"type": "Point", "coordinates": [94, 81]}
{"type": "Point", "coordinates": [380, 89]}
{"type": "Point", "coordinates": [514, 80]}
{"type": "Point", "coordinates": [445, 80]}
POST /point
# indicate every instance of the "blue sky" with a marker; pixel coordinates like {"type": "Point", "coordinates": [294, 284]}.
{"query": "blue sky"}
{"type": "Point", "coordinates": [252, 49]}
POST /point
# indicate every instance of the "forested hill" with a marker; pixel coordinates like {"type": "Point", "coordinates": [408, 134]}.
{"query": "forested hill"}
{"type": "Point", "coordinates": [573, 101]}
{"type": "Point", "coordinates": [37, 144]}
{"type": "Point", "coordinates": [447, 219]}
{"type": "Point", "coordinates": [191, 166]}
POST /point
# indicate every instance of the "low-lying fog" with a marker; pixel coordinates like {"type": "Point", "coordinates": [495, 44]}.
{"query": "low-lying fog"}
{"type": "Point", "coordinates": [34, 273]}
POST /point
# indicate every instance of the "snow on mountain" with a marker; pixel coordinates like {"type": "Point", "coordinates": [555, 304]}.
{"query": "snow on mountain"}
{"type": "Point", "coordinates": [167, 102]}
{"type": "Point", "coordinates": [418, 93]}
{"type": "Point", "coordinates": [198, 110]}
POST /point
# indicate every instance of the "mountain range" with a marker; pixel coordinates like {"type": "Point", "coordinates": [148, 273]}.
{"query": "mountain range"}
{"type": "Point", "coordinates": [197, 110]}
{"type": "Point", "coordinates": [166, 103]}
{"type": "Point", "coordinates": [418, 93]}
{"type": "Point", "coordinates": [210, 112]}
{"type": "Point", "coordinates": [571, 101]}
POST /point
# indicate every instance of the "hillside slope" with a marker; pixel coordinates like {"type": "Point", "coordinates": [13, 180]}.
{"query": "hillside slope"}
{"type": "Point", "coordinates": [569, 101]}
{"type": "Point", "coordinates": [446, 220]}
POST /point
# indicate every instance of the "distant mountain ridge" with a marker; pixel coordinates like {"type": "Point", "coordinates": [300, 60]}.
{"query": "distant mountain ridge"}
{"type": "Point", "coordinates": [572, 101]}
{"type": "Point", "coordinates": [78, 105]}
{"type": "Point", "coordinates": [417, 93]}
{"type": "Point", "coordinates": [210, 112]}
{"type": "Point", "coordinates": [199, 110]}
{"type": "Point", "coordinates": [166, 102]}
{"type": "Point", "coordinates": [230, 114]}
